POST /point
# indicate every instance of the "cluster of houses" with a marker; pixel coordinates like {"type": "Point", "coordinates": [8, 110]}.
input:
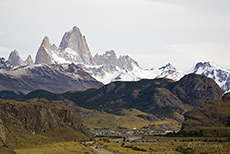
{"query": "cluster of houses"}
{"type": "Point", "coordinates": [133, 132]}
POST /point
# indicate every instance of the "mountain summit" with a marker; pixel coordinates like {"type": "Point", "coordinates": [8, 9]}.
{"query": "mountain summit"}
{"type": "Point", "coordinates": [210, 69]}
{"type": "Point", "coordinates": [14, 59]}
{"type": "Point", "coordinates": [73, 40]}
{"type": "Point", "coordinates": [29, 60]}
{"type": "Point", "coordinates": [44, 54]}
{"type": "Point", "coordinates": [73, 49]}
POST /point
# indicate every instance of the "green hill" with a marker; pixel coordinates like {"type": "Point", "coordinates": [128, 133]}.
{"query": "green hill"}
{"type": "Point", "coordinates": [212, 119]}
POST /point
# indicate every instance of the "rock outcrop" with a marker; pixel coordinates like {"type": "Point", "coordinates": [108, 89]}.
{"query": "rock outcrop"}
{"type": "Point", "coordinates": [21, 122]}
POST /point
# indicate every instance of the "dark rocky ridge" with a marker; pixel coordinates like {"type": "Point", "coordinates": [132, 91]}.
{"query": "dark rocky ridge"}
{"type": "Point", "coordinates": [196, 89]}
{"type": "Point", "coordinates": [22, 121]}
{"type": "Point", "coordinates": [161, 97]}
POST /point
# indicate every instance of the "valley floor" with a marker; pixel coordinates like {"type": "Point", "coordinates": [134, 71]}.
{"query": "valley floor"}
{"type": "Point", "coordinates": [154, 145]}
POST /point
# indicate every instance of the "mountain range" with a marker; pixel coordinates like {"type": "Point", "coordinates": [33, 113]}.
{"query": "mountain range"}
{"type": "Point", "coordinates": [71, 66]}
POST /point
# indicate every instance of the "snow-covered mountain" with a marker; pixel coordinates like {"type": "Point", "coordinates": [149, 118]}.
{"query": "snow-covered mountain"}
{"type": "Point", "coordinates": [219, 75]}
{"type": "Point", "coordinates": [107, 67]}
{"type": "Point", "coordinates": [110, 73]}
{"type": "Point", "coordinates": [72, 67]}
{"type": "Point", "coordinates": [170, 72]}
{"type": "Point", "coordinates": [52, 77]}
{"type": "Point", "coordinates": [72, 49]}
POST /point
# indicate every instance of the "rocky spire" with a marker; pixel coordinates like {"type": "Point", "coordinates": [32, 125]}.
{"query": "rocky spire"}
{"type": "Point", "coordinates": [76, 42]}
{"type": "Point", "coordinates": [29, 60]}
{"type": "Point", "coordinates": [44, 52]}
{"type": "Point", "coordinates": [109, 58]}
{"type": "Point", "coordinates": [14, 59]}
{"type": "Point", "coordinates": [126, 62]}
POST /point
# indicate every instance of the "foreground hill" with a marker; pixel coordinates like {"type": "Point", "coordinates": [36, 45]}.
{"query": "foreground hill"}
{"type": "Point", "coordinates": [161, 97]}
{"type": "Point", "coordinates": [23, 124]}
{"type": "Point", "coordinates": [212, 119]}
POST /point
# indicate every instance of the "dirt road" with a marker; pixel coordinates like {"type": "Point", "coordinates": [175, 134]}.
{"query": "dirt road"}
{"type": "Point", "coordinates": [101, 150]}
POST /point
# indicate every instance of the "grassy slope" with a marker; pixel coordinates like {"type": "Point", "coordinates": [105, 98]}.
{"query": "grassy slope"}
{"type": "Point", "coordinates": [170, 145]}
{"type": "Point", "coordinates": [128, 120]}
{"type": "Point", "coordinates": [212, 119]}
{"type": "Point", "coordinates": [56, 148]}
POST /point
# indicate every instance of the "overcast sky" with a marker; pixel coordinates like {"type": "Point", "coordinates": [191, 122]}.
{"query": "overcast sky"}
{"type": "Point", "coordinates": [153, 32]}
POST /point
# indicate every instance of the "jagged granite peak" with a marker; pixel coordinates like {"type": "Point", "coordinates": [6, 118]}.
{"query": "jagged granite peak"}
{"type": "Point", "coordinates": [46, 42]}
{"type": "Point", "coordinates": [70, 38]}
{"type": "Point", "coordinates": [44, 54]}
{"type": "Point", "coordinates": [14, 59]}
{"type": "Point", "coordinates": [108, 58]}
{"type": "Point", "coordinates": [127, 63]}
{"type": "Point", "coordinates": [110, 68]}
{"type": "Point", "coordinates": [29, 60]}
{"type": "Point", "coordinates": [75, 41]}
